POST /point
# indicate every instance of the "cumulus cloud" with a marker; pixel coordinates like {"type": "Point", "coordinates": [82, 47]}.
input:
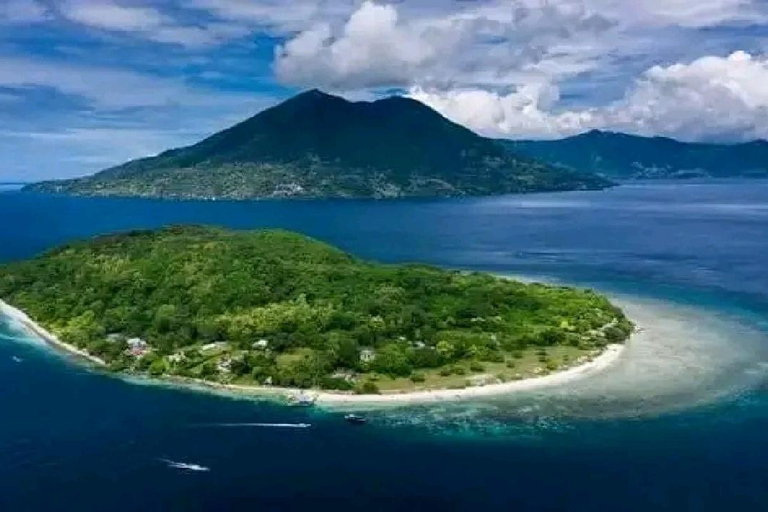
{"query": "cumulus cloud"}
{"type": "Point", "coordinates": [500, 66]}
{"type": "Point", "coordinates": [526, 112]}
{"type": "Point", "coordinates": [711, 98]}
{"type": "Point", "coordinates": [491, 44]}
{"type": "Point", "coordinates": [516, 68]}
{"type": "Point", "coordinates": [373, 49]}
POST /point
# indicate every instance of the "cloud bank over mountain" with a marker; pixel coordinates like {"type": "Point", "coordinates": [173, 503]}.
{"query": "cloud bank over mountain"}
{"type": "Point", "coordinates": [711, 98]}
{"type": "Point", "coordinates": [691, 69]}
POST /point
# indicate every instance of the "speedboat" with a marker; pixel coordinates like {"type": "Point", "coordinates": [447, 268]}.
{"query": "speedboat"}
{"type": "Point", "coordinates": [355, 419]}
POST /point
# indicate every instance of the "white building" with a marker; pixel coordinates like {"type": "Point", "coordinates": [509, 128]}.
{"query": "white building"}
{"type": "Point", "coordinates": [177, 357]}
{"type": "Point", "coordinates": [367, 355]}
{"type": "Point", "coordinates": [213, 346]}
{"type": "Point", "coordinates": [225, 365]}
{"type": "Point", "coordinates": [137, 347]}
{"type": "Point", "coordinates": [260, 345]}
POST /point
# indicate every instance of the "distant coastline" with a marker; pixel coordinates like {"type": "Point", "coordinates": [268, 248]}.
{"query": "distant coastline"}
{"type": "Point", "coordinates": [11, 187]}
{"type": "Point", "coordinates": [599, 362]}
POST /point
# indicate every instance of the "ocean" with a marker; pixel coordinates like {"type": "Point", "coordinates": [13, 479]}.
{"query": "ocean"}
{"type": "Point", "coordinates": [679, 424]}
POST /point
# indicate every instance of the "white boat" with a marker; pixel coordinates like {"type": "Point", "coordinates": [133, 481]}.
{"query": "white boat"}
{"type": "Point", "coordinates": [355, 419]}
{"type": "Point", "coordinates": [304, 400]}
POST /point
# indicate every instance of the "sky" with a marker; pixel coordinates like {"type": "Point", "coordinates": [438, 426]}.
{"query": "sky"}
{"type": "Point", "coordinates": [86, 84]}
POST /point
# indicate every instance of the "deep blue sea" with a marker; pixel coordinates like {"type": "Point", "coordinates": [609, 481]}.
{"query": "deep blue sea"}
{"type": "Point", "coordinates": [681, 423]}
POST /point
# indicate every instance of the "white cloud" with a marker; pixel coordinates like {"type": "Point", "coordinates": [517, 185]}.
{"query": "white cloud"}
{"type": "Point", "coordinates": [110, 16]}
{"type": "Point", "coordinates": [709, 98]}
{"type": "Point", "coordinates": [146, 22]}
{"type": "Point", "coordinates": [374, 49]}
{"type": "Point", "coordinates": [22, 11]}
{"type": "Point", "coordinates": [499, 66]}
{"type": "Point", "coordinates": [686, 13]}
{"type": "Point", "coordinates": [526, 112]}
{"type": "Point", "coordinates": [103, 88]}
{"type": "Point", "coordinates": [277, 15]}
{"type": "Point", "coordinates": [487, 45]}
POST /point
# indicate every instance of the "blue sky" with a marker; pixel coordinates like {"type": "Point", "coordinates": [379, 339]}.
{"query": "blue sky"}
{"type": "Point", "coordinates": [85, 84]}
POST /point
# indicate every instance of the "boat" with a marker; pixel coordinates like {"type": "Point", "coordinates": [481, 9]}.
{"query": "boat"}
{"type": "Point", "coordinates": [355, 419]}
{"type": "Point", "coordinates": [304, 400]}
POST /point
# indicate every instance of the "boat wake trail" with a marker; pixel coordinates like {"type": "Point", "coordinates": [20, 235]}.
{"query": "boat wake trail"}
{"type": "Point", "coordinates": [185, 466]}
{"type": "Point", "coordinates": [260, 425]}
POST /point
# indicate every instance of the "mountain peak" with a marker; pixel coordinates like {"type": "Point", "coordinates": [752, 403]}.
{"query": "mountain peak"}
{"type": "Point", "coordinates": [320, 145]}
{"type": "Point", "coordinates": [312, 97]}
{"type": "Point", "coordinates": [316, 94]}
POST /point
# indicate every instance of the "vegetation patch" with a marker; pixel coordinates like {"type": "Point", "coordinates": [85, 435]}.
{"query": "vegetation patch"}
{"type": "Point", "coordinates": [279, 309]}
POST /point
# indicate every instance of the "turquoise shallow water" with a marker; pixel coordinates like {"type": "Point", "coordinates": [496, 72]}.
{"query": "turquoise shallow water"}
{"type": "Point", "coordinates": [678, 424]}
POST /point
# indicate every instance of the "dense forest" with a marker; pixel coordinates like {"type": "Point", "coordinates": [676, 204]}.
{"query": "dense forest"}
{"type": "Point", "coordinates": [274, 307]}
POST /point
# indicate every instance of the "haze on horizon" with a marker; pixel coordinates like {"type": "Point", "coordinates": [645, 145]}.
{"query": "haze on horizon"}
{"type": "Point", "coordinates": [85, 84]}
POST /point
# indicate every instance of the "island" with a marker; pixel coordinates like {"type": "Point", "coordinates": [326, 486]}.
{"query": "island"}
{"type": "Point", "coordinates": [622, 156]}
{"type": "Point", "coordinates": [275, 309]}
{"type": "Point", "coordinates": [316, 145]}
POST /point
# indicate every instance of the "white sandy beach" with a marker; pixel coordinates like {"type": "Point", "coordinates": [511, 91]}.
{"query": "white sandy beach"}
{"type": "Point", "coordinates": [606, 359]}
{"type": "Point", "coordinates": [23, 319]}
{"type": "Point", "coordinates": [603, 361]}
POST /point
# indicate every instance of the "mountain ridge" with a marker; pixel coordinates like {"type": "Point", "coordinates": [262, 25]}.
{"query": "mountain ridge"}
{"type": "Point", "coordinates": [319, 145]}
{"type": "Point", "coordinates": [619, 155]}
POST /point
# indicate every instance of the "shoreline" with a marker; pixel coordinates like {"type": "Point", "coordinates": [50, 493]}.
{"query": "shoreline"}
{"type": "Point", "coordinates": [604, 360]}
{"type": "Point", "coordinates": [34, 328]}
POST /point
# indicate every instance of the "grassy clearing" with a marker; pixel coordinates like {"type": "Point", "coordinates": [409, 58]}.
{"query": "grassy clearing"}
{"type": "Point", "coordinates": [527, 366]}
